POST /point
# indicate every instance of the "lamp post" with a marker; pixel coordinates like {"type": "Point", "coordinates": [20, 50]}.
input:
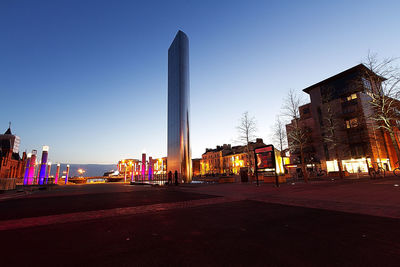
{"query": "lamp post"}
{"type": "Point", "coordinates": [133, 168]}
{"type": "Point", "coordinates": [66, 175]}
{"type": "Point", "coordinates": [125, 173]}
{"type": "Point", "coordinates": [48, 172]}
{"type": "Point", "coordinates": [81, 172]}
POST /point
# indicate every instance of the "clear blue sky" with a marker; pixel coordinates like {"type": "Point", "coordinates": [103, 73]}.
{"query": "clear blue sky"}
{"type": "Point", "coordinates": [89, 78]}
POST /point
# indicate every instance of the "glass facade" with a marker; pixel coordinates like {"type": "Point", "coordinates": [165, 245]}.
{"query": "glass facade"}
{"type": "Point", "coordinates": [179, 153]}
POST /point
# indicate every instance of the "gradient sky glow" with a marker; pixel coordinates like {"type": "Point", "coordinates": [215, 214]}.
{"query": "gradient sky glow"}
{"type": "Point", "coordinates": [89, 78]}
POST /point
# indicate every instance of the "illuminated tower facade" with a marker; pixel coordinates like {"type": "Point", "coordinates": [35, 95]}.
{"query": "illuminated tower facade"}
{"type": "Point", "coordinates": [179, 153]}
{"type": "Point", "coordinates": [43, 164]}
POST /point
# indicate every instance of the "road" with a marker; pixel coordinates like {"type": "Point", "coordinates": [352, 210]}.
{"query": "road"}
{"type": "Point", "coordinates": [204, 225]}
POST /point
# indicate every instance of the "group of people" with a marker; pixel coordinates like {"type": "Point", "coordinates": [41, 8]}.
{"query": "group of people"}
{"type": "Point", "coordinates": [170, 178]}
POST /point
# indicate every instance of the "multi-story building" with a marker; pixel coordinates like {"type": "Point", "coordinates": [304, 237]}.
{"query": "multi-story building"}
{"type": "Point", "coordinates": [229, 160]}
{"type": "Point", "coordinates": [11, 164]}
{"type": "Point", "coordinates": [342, 103]}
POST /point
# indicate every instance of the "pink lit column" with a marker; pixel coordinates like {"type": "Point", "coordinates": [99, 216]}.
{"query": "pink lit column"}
{"type": "Point", "coordinates": [57, 173]}
{"type": "Point", "coordinates": [143, 165]}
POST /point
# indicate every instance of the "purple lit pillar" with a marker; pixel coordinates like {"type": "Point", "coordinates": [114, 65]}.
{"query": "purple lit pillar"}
{"type": "Point", "coordinates": [66, 175]}
{"type": "Point", "coordinates": [150, 168]}
{"type": "Point", "coordinates": [43, 164]}
{"type": "Point", "coordinates": [26, 175]}
{"type": "Point", "coordinates": [57, 173]}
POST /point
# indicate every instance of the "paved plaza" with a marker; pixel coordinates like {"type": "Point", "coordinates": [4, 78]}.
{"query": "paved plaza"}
{"type": "Point", "coordinates": [324, 223]}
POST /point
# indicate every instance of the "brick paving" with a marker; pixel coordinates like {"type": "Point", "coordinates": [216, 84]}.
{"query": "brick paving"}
{"type": "Point", "coordinates": [101, 214]}
{"type": "Point", "coordinates": [205, 225]}
{"type": "Point", "coordinates": [370, 197]}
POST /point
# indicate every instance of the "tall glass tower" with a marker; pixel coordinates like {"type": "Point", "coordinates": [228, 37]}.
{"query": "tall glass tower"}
{"type": "Point", "coordinates": [179, 153]}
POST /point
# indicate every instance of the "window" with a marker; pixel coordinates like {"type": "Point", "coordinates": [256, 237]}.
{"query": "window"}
{"type": "Point", "coordinates": [349, 109]}
{"type": "Point", "coordinates": [320, 116]}
{"type": "Point", "coordinates": [357, 151]}
{"type": "Point", "coordinates": [352, 123]}
{"type": "Point", "coordinates": [351, 97]}
{"type": "Point", "coordinates": [367, 84]}
{"type": "Point", "coordinates": [306, 110]}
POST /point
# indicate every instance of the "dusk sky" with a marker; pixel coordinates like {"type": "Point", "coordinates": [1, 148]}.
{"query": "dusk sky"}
{"type": "Point", "coordinates": [89, 78]}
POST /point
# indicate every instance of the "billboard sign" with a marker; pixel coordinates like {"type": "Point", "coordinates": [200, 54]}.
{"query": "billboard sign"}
{"type": "Point", "coordinates": [265, 157]}
{"type": "Point", "coordinates": [265, 160]}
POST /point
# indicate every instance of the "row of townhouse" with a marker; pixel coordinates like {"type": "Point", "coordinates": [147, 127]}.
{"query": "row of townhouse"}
{"type": "Point", "coordinates": [230, 160]}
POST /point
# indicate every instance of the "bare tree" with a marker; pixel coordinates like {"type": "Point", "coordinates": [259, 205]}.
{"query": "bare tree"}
{"type": "Point", "coordinates": [246, 134]}
{"type": "Point", "coordinates": [279, 136]}
{"type": "Point", "coordinates": [297, 134]}
{"type": "Point", "coordinates": [331, 129]}
{"type": "Point", "coordinates": [382, 84]}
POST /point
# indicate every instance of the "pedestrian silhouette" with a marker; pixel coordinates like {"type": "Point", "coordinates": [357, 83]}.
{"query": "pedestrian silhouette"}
{"type": "Point", "coordinates": [176, 177]}
{"type": "Point", "coordinates": [170, 177]}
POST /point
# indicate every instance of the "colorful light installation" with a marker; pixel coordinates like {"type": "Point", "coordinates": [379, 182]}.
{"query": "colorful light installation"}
{"type": "Point", "coordinates": [150, 172]}
{"type": "Point", "coordinates": [32, 165]}
{"type": "Point", "coordinates": [133, 169]}
{"type": "Point", "coordinates": [143, 165]}
{"type": "Point", "coordinates": [43, 164]}
{"type": "Point", "coordinates": [66, 175]}
{"type": "Point", "coordinates": [26, 175]}
{"type": "Point", "coordinates": [48, 172]}
{"type": "Point", "coordinates": [57, 173]}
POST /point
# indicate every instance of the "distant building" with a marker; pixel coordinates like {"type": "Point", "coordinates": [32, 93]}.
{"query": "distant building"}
{"type": "Point", "coordinates": [229, 160]}
{"type": "Point", "coordinates": [359, 143]}
{"type": "Point", "coordinates": [135, 165]}
{"type": "Point", "coordinates": [11, 164]}
{"type": "Point", "coordinates": [12, 140]}
{"type": "Point", "coordinates": [196, 167]}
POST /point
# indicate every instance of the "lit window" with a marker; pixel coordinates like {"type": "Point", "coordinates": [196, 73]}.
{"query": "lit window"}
{"type": "Point", "coordinates": [353, 123]}
{"type": "Point", "coordinates": [351, 97]}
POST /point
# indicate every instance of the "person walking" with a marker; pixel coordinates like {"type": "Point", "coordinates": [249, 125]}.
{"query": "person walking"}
{"type": "Point", "coordinates": [169, 178]}
{"type": "Point", "coordinates": [176, 177]}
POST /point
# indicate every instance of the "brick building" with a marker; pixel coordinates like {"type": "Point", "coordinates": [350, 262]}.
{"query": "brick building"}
{"type": "Point", "coordinates": [343, 101]}
{"type": "Point", "coordinates": [11, 164]}
{"type": "Point", "coordinates": [229, 160]}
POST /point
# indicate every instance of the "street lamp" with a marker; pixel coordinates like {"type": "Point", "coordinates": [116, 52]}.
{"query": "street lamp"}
{"type": "Point", "coordinates": [81, 172]}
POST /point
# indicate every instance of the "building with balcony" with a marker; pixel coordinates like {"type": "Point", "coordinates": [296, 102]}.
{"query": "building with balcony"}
{"type": "Point", "coordinates": [340, 107]}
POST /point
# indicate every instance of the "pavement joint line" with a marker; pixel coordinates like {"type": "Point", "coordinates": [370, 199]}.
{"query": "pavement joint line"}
{"type": "Point", "coordinates": [365, 209]}
{"type": "Point", "coordinates": [13, 195]}
{"type": "Point", "coordinates": [100, 214]}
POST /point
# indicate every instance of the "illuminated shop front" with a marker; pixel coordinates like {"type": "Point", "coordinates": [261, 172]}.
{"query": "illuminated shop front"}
{"type": "Point", "coordinates": [357, 165]}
